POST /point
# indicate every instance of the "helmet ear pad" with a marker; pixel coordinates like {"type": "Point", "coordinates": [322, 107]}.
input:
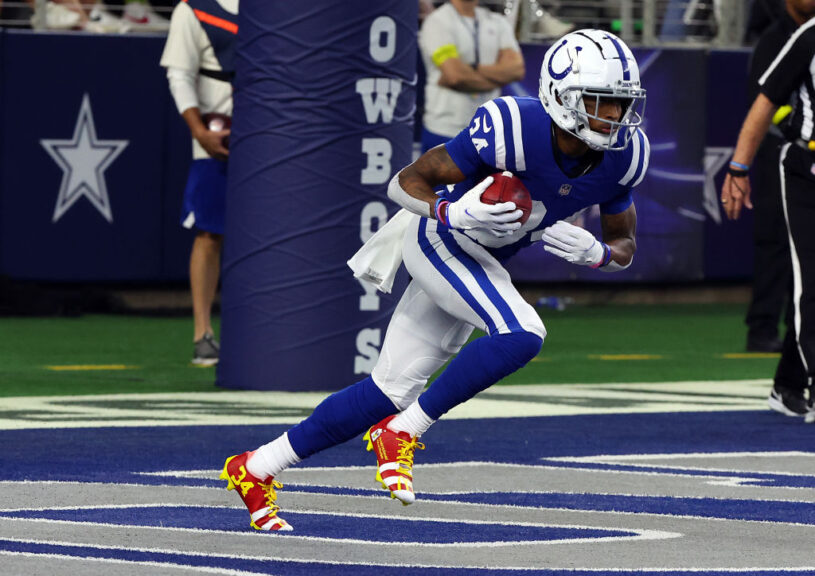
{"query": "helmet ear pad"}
{"type": "Point", "coordinates": [568, 103]}
{"type": "Point", "coordinates": [574, 112]}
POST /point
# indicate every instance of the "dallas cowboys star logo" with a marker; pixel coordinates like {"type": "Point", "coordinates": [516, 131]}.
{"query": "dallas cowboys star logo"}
{"type": "Point", "coordinates": [83, 160]}
{"type": "Point", "coordinates": [715, 158]}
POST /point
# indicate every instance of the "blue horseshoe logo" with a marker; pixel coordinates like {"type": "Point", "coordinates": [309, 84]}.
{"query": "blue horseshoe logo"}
{"type": "Point", "coordinates": [560, 75]}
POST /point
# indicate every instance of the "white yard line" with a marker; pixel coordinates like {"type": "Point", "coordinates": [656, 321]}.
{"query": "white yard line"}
{"type": "Point", "coordinates": [256, 408]}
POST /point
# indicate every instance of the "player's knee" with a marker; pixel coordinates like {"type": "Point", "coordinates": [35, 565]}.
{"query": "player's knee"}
{"type": "Point", "coordinates": [520, 347]}
{"type": "Point", "coordinates": [401, 391]}
{"type": "Point", "coordinates": [531, 322]}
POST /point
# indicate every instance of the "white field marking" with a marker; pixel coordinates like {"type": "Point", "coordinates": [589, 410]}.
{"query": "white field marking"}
{"type": "Point", "coordinates": [709, 478]}
{"type": "Point", "coordinates": [622, 457]}
{"type": "Point", "coordinates": [638, 535]}
{"type": "Point", "coordinates": [198, 569]}
{"type": "Point", "coordinates": [737, 482]}
{"type": "Point", "coordinates": [213, 472]}
{"type": "Point", "coordinates": [399, 565]}
{"type": "Point", "coordinates": [462, 503]}
{"type": "Point", "coordinates": [241, 407]}
{"type": "Point", "coordinates": [627, 460]}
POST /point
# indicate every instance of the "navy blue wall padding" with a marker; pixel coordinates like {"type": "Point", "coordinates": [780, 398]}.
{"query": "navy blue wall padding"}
{"type": "Point", "coordinates": [130, 104]}
{"type": "Point", "coordinates": [300, 199]}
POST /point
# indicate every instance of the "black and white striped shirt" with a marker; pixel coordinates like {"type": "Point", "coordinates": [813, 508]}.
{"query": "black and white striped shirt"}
{"type": "Point", "coordinates": [792, 74]}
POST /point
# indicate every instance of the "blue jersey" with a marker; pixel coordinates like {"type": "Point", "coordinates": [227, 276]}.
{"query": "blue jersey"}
{"type": "Point", "coordinates": [515, 134]}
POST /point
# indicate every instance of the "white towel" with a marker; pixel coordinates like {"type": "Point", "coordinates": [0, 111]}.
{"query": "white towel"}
{"type": "Point", "coordinates": [380, 257]}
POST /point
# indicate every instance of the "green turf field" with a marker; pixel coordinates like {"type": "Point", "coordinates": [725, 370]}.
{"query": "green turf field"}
{"type": "Point", "coordinates": [98, 354]}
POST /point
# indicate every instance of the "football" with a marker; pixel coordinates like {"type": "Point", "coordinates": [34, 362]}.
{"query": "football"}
{"type": "Point", "coordinates": [508, 188]}
{"type": "Point", "coordinates": [217, 122]}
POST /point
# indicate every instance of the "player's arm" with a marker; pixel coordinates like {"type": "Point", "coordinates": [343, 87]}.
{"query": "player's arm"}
{"type": "Point", "coordinates": [508, 68]}
{"type": "Point", "coordinates": [577, 245]}
{"type": "Point", "coordinates": [619, 234]}
{"type": "Point", "coordinates": [413, 189]}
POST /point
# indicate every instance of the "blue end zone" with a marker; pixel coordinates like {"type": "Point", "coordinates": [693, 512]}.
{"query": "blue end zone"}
{"type": "Point", "coordinates": [115, 454]}
{"type": "Point", "coordinates": [124, 454]}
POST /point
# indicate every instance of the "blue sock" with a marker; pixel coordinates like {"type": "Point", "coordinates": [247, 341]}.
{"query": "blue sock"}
{"type": "Point", "coordinates": [340, 417]}
{"type": "Point", "coordinates": [479, 365]}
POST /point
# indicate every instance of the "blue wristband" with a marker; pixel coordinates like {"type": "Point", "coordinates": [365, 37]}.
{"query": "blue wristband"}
{"type": "Point", "coordinates": [606, 256]}
{"type": "Point", "coordinates": [739, 165]}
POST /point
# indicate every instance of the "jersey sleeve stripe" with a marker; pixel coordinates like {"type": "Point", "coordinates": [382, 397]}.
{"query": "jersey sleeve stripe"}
{"type": "Point", "coordinates": [508, 134]}
{"type": "Point", "coordinates": [803, 28]}
{"type": "Point", "coordinates": [635, 160]}
{"type": "Point", "coordinates": [517, 135]}
{"type": "Point", "coordinates": [646, 157]}
{"type": "Point", "coordinates": [498, 137]}
{"type": "Point", "coordinates": [807, 125]}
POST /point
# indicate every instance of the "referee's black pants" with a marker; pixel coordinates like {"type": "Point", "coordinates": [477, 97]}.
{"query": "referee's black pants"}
{"type": "Point", "coordinates": [797, 169]}
{"type": "Point", "coordinates": [772, 273]}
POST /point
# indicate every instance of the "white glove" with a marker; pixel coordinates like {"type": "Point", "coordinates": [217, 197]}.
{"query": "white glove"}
{"type": "Point", "coordinates": [469, 212]}
{"type": "Point", "coordinates": [575, 245]}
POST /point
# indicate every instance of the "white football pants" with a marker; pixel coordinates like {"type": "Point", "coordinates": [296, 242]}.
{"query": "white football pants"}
{"type": "Point", "coordinates": [457, 285]}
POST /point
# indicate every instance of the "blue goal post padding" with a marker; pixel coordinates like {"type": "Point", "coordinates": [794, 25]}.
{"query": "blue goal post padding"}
{"type": "Point", "coordinates": [324, 100]}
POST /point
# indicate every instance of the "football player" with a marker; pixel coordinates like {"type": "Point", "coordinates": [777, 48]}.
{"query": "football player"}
{"type": "Point", "coordinates": [578, 145]}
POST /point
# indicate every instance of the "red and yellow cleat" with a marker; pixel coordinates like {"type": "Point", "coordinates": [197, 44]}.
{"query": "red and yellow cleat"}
{"type": "Point", "coordinates": [259, 497]}
{"type": "Point", "coordinates": [394, 457]}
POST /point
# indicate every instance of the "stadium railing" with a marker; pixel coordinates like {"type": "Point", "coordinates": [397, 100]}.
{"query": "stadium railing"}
{"type": "Point", "coordinates": [719, 23]}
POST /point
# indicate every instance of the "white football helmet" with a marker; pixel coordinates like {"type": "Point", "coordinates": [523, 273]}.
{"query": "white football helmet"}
{"type": "Point", "coordinates": [595, 64]}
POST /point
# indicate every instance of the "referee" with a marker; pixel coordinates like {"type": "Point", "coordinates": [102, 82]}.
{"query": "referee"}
{"type": "Point", "coordinates": [788, 76]}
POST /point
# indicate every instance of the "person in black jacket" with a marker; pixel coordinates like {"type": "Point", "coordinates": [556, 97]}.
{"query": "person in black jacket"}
{"type": "Point", "coordinates": [789, 76]}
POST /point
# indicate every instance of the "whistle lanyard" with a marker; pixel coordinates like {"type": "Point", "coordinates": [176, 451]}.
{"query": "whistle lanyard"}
{"type": "Point", "coordinates": [475, 41]}
{"type": "Point", "coordinates": [474, 32]}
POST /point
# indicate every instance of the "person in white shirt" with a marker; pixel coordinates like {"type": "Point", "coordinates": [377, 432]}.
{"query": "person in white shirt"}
{"type": "Point", "coordinates": [469, 53]}
{"type": "Point", "coordinates": [199, 56]}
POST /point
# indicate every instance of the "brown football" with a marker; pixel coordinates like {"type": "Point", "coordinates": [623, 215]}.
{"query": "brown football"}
{"type": "Point", "coordinates": [506, 187]}
{"type": "Point", "coordinates": [217, 122]}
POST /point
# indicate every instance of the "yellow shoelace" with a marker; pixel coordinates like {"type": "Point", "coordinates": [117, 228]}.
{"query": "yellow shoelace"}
{"type": "Point", "coordinates": [271, 496]}
{"type": "Point", "coordinates": [405, 454]}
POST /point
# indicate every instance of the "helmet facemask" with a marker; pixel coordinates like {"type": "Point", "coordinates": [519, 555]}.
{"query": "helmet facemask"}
{"type": "Point", "coordinates": [632, 104]}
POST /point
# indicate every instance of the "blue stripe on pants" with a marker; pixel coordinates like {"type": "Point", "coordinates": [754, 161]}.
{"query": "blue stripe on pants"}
{"type": "Point", "coordinates": [450, 276]}
{"type": "Point", "coordinates": [483, 281]}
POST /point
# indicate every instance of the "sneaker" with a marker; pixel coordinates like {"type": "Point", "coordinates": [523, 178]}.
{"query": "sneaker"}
{"type": "Point", "coordinates": [100, 21]}
{"type": "Point", "coordinates": [759, 344]}
{"type": "Point", "coordinates": [788, 401]}
{"type": "Point", "coordinates": [394, 457]}
{"type": "Point", "coordinates": [259, 498]}
{"type": "Point", "coordinates": [206, 351]}
{"type": "Point", "coordinates": [143, 18]}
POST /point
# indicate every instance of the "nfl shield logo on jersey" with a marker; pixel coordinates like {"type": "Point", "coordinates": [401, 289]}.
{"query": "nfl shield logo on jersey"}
{"type": "Point", "coordinates": [565, 189]}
